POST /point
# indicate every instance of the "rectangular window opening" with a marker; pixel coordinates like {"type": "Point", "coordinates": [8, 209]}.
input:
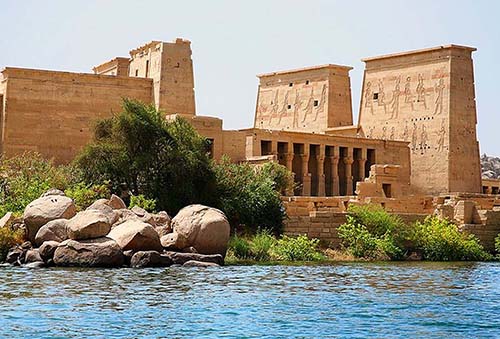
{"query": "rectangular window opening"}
{"type": "Point", "coordinates": [375, 96]}
{"type": "Point", "coordinates": [316, 102]}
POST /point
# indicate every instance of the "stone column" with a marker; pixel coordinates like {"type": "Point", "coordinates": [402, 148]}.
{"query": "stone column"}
{"type": "Point", "coordinates": [348, 161]}
{"type": "Point", "coordinates": [334, 161]}
{"type": "Point", "coordinates": [321, 175]}
{"type": "Point", "coordinates": [289, 166]}
{"type": "Point", "coordinates": [362, 163]}
{"type": "Point", "coordinates": [306, 177]}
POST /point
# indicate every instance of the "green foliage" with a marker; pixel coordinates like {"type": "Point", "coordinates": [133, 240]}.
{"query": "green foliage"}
{"type": "Point", "coordinates": [8, 239]}
{"type": "Point", "coordinates": [497, 243]}
{"type": "Point", "coordinates": [441, 240]}
{"type": "Point", "coordinates": [300, 248]}
{"type": "Point", "coordinates": [240, 247]}
{"type": "Point", "coordinates": [370, 232]}
{"type": "Point", "coordinates": [143, 202]}
{"type": "Point", "coordinates": [141, 150]}
{"type": "Point", "coordinates": [261, 245]}
{"type": "Point", "coordinates": [250, 195]}
{"type": "Point", "coordinates": [25, 177]}
{"type": "Point", "coordinates": [84, 195]}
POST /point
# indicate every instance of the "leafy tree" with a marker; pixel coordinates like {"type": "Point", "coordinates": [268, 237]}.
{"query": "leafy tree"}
{"type": "Point", "coordinates": [140, 150]}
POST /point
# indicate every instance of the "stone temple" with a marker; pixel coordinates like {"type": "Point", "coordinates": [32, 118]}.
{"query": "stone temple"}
{"type": "Point", "coordinates": [413, 150]}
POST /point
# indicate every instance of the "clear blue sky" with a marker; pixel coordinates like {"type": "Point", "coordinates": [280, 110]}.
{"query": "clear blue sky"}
{"type": "Point", "coordinates": [232, 41]}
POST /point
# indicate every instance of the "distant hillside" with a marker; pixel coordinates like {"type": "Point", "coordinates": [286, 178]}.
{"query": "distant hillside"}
{"type": "Point", "coordinates": [490, 167]}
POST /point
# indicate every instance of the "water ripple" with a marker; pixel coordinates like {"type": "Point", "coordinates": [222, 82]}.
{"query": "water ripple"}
{"type": "Point", "coordinates": [358, 300]}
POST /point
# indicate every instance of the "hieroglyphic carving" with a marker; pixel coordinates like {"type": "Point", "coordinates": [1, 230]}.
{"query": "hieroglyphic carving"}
{"type": "Point", "coordinates": [408, 95]}
{"type": "Point", "coordinates": [384, 133]}
{"type": "Point", "coordinates": [309, 105]}
{"type": "Point", "coordinates": [391, 137]}
{"type": "Point", "coordinates": [322, 103]}
{"type": "Point", "coordinates": [405, 134]}
{"type": "Point", "coordinates": [274, 106]}
{"type": "Point", "coordinates": [439, 89]}
{"type": "Point", "coordinates": [421, 90]}
{"type": "Point", "coordinates": [414, 137]}
{"type": "Point", "coordinates": [296, 108]}
{"type": "Point", "coordinates": [423, 140]}
{"type": "Point", "coordinates": [369, 96]}
{"type": "Point", "coordinates": [381, 96]}
{"type": "Point", "coordinates": [370, 132]}
{"type": "Point", "coordinates": [395, 99]}
{"type": "Point", "coordinates": [284, 108]}
{"type": "Point", "coordinates": [441, 137]}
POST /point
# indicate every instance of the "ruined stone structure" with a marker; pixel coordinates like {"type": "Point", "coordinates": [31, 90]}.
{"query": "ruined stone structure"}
{"type": "Point", "coordinates": [413, 150]}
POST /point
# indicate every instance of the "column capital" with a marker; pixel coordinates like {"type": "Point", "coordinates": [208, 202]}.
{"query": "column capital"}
{"type": "Point", "coordinates": [334, 158]}
{"type": "Point", "coordinates": [348, 161]}
{"type": "Point", "coordinates": [320, 158]}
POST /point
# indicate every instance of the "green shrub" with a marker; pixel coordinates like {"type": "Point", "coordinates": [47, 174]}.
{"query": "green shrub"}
{"type": "Point", "coordinates": [142, 202]}
{"type": "Point", "coordinates": [8, 239]}
{"type": "Point", "coordinates": [497, 243]}
{"type": "Point", "coordinates": [261, 245]}
{"type": "Point", "coordinates": [239, 247]}
{"type": "Point", "coordinates": [300, 248]}
{"type": "Point", "coordinates": [85, 195]}
{"type": "Point", "coordinates": [441, 240]}
{"type": "Point", "coordinates": [160, 159]}
{"type": "Point", "coordinates": [26, 177]}
{"type": "Point", "coordinates": [250, 195]}
{"type": "Point", "coordinates": [370, 232]}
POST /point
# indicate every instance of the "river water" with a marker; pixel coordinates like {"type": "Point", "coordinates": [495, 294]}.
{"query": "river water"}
{"type": "Point", "coordinates": [354, 300]}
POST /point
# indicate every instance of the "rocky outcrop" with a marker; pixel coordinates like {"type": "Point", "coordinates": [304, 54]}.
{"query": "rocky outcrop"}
{"type": "Point", "coordinates": [150, 259]}
{"type": "Point", "coordinates": [48, 249]}
{"type": "Point", "coordinates": [490, 167]}
{"type": "Point", "coordinates": [55, 230]}
{"type": "Point", "coordinates": [180, 258]}
{"type": "Point", "coordinates": [7, 219]}
{"type": "Point", "coordinates": [203, 228]}
{"type": "Point", "coordinates": [194, 263]}
{"type": "Point", "coordinates": [88, 224]}
{"type": "Point", "coordinates": [136, 235]}
{"type": "Point", "coordinates": [100, 252]}
{"type": "Point", "coordinates": [45, 209]}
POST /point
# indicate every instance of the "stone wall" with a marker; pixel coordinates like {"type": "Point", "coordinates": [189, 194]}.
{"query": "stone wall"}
{"type": "Point", "coordinates": [53, 112]}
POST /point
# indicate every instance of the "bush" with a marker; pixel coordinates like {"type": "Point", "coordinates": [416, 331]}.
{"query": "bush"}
{"type": "Point", "coordinates": [26, 177]}
{"type": "Point", "coordinates": [370, 232]}
{"type": "Point", "coordinates": [300, 248]}
{"type": "Point", "coordinates": [441, 240]}
{"type": "Point", "coordinates": [140, 149]}
{"type": "Point", "coordinates": [85, 195]}
{"type": "Point", "coordinates": [240, 247]}
{"type": "Point", "coordinates": [250, 195]}
{"type": "Point", "coordinates": [497, 243]}
{"type": "Point", "coordinates": [261, 245]}
{"type": "Point", "coordinates": [143, 202]}
{"type": "Point", "coordinates": [8, 239]}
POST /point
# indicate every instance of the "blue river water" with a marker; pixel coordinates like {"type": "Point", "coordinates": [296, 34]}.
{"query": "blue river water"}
{"type": "Point", "coordinates": [345, 300]}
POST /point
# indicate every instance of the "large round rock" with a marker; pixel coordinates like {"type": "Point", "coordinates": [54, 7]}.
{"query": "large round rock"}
{"type": "Point", "coordinates": [44, 209]}
{"type": "Point", "coordinates": [55, 230]}
{"type": "Point", "coordinates": [203, 228]}
{"type": "Point", "coordinates": [88, 224]}
{"type": "Point", "coordinates": [100, 252]}
{"type": "Point", "coordinates": [136, 235]}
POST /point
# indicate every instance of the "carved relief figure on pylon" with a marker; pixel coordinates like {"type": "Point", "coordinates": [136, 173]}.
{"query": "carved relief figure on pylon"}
{"type": "Point", "coordinates": [296, 108]}
{"type": "Point", "coordinates": [369, 96]}
{"type": "Point", "coordinates": [309, 105]}
{"type": "Point", "coordinates": [284, 108]}
{"type": "Point", "coordinates": [274, 106]}
{"type": "Point", "coordinates": [439, 89]}
{"type": "Point", "coordinates": [370, 132]}
{"type": "Point", "coordinates": [423, 139]}
{"type": "Point", "coordinates": [408, 95]}
{"type": "Point", "coordinates": [384, 133]}
{"type": "Point", "coordinates": [391, 137]}
{"type": "Point", "coordinates": [395, 99]}
{"type": "Point", "coordinates": [414, 136]}
{"type": "Point", "coordinates": [441, 137]}
{"type": "Point", "coordinates": [421, 90]}
{"type": "Point", "coordinates": [322, 102]}
{"type": "Point", "coordinates": [405, 134]}
{"type": "Point", "coordinates": [381, 96]}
